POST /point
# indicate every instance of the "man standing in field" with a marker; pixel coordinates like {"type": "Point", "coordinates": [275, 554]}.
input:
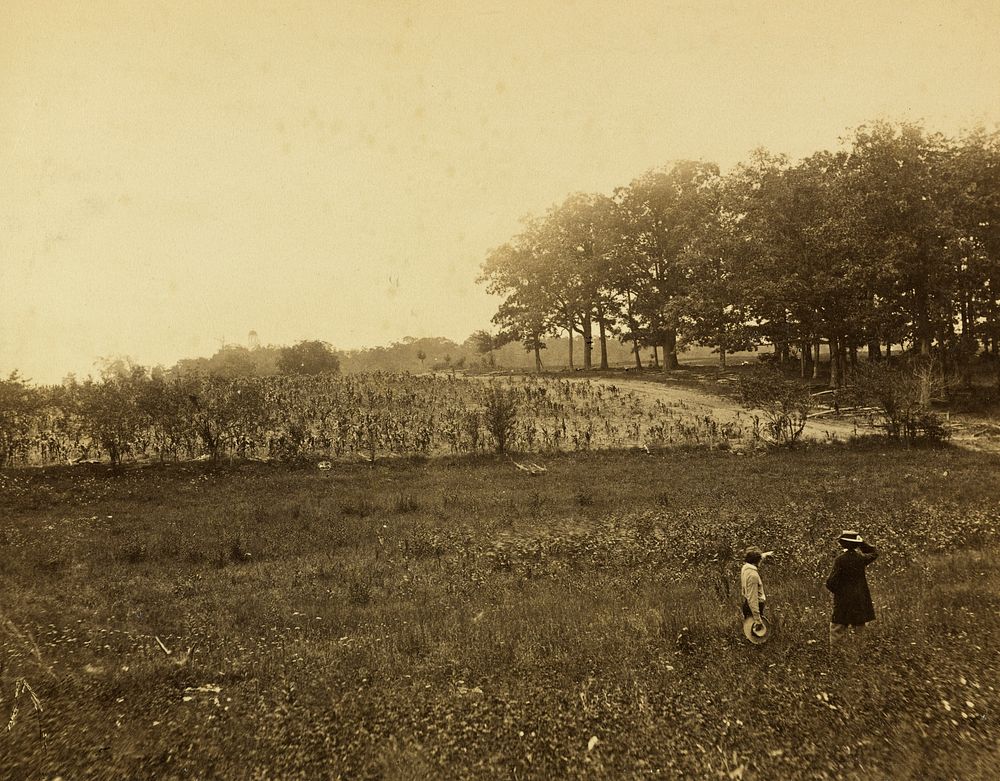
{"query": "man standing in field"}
{"type": "Point", "coordinates": [752, 588]}
{"type": "Point", "coordinates": [852, 601]}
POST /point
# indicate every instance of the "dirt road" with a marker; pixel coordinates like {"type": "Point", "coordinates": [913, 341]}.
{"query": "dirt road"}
{"type": "Point", "coordinates": [969, 431]}
{"type": "Point", "coordinates": [726, 410]}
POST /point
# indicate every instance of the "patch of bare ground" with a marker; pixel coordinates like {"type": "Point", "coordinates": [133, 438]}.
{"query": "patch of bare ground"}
{"type": "Point", "coordinates": [708, 398]}
{"type": "Point", "coordinates": [713, 392]}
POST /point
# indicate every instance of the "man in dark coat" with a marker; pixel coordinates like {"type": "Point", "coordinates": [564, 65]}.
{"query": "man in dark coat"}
{"type": "Point", "coordinates": [852, 601]}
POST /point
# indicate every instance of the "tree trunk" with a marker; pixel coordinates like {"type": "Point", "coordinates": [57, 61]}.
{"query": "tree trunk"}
{"type": "Point", "coordinates": [923, 324]}
{"type": "Point", "coordinates": [538, 354]}
{"type": "Point", "coordinates": [569, 332]}
{"type": "Point", "coordinates": [926, 376]}
{"type": "Point", "coordinates": [602, 331]}
{"type": "Point", "coordinates": [634, 327]}
{"type": "Point", "coordinates": [670, 349]}
{"type": "Point", "coordinates": [805, 354]}
{"type": "Point", "coordinates": [816, 347]}
{"type": "Point", "coordinates": [722, 357]}
{"type": "Point", "coordinates": [874, 351]}
{"type": "Point", "coordinates": [656, 356]}
{"type": "Point", "coordinates": [834, 361]}
{"type": "Point", "coordinates": [588, 341]}
{"type": "Point", "coordinates": [946, 339]}
{"type": "Point", "coordinates": [781, 344]}
{"type": "Point", "coordinates": [968, 343]}
{"type": "Point", "coordinates": [967, 318]}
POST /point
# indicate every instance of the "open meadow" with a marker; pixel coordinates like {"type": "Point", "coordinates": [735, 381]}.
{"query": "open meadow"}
{"type": "Point", "coordinates": [457, 618]}
{"type": "Point", "coordinates": [395, 391]}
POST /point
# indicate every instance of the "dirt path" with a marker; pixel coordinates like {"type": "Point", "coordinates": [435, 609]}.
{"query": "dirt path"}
{"type": "Point", "coordinates": [968, 431]}
{"type": "Point", "coordinates": [725, 410]}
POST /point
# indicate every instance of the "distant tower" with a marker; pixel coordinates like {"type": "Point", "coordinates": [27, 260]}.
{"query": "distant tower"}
{"type": "Point", "coordinates": [253, 341]}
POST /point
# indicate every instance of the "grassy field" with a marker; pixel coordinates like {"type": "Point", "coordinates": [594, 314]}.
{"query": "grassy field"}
{"type": "Point", "coordinates": [454, 618]}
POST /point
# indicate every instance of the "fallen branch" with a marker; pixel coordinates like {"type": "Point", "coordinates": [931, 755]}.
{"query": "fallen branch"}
{"type": "Point", "coordinates": [532, 469]}
{"type": "Point", "coordinates": [841, 410]}
{"type": "Point", "coordinates": [180, 659]}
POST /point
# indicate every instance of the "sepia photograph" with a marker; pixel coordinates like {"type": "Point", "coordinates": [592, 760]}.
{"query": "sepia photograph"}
{"type": "Point", "coordinates": [404, 390]}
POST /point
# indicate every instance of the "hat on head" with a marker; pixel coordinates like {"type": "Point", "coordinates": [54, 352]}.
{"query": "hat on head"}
{"type": "Point", "coordinates": [849, 538]}
{"type": "Point", "coordinates": [753, 553]}
{"type": "Point", "coordinates": [759, 636]}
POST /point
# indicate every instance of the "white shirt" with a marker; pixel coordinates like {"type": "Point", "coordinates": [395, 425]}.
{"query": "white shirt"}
{"type": "Point", "coordinates": [752, 586]}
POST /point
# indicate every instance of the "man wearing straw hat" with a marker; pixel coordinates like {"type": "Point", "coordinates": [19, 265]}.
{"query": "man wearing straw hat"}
{"type": "Point", "coordinates": [755, 625]}
{"type": "Point", "coordinates": [852, 601]}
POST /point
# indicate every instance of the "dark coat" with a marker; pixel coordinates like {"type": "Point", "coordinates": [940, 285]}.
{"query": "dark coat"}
{"type": "Point", "coordinates": [852, 601]}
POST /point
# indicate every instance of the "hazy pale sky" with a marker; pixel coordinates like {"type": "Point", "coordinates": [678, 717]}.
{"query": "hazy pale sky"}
{"type": "Point", "coordinates": [179, 172]}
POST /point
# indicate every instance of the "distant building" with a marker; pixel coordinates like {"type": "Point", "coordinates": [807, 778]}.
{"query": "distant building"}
{"type": "Point", "coordinates": [253, 341]}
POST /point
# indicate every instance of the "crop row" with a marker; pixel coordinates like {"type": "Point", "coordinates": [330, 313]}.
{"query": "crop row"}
{"type": "Point", "coordinates": [141, 417]}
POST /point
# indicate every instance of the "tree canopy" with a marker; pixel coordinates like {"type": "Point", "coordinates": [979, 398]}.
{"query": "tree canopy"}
{"type": "Point", "coordinates": [308, 357]}
{"type": "Point", "coordinates": [891, 241]}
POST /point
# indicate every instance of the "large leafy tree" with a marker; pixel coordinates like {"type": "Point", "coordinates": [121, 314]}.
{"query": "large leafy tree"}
{"type": "Point", "coordinates": [628, 278]}
{"type": "Point", "coordinates": [308, 357]}
{"type": "Point", "coordinates": [564, 257]}
{"type": "Point", "coordinates": [898, 173]}
{"type": "Point", "coordinates": [581, 237]}
{"type": "Point", "coordinates": [713, 310]}
{"type": "Point", "coordinates": [112, 412]}
{"type": "Point", "coordinates": [19, 406]}
{"type": "Point", "coordinates": [805, 271]}
{"type": "Point", "coordinates": [892, 240]}
{"type": "Point", "coordinates": [974, 168]}
{"type": "Point", "coordinates": [484, 343]}
{"type": "Point", "coordinates": [517, 271]}
{"type": "Point", "coordinates": [664, 209]}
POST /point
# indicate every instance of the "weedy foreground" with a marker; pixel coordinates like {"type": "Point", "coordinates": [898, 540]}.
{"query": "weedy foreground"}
{"type": "Point", "coordinates": [458, 618]}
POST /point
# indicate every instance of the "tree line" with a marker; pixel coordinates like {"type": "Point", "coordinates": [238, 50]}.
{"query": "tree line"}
{"type": "Point", "coordinates": [409, 354]}
{"type": "Point", "coordinates": [892, 242]}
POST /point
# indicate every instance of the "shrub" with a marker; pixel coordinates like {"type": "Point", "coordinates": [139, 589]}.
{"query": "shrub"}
{"type": "Point", "coordinates": [500, 416]}
{"type": "Point", "coordinates": [473, 423]}
{"type": "Point", "coordinates": [19, 403]}
{"type": "Point", "coordinates": [784, 402]}
{"type": "Point", "coordinates": [899, 398]}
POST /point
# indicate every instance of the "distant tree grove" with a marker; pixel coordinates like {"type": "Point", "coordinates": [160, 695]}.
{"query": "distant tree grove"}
{"type": "Point", "coordinates": [893, 242]}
